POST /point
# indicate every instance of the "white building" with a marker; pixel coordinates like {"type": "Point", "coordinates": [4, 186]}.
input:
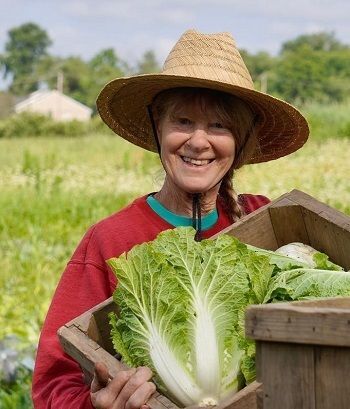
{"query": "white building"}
{"type": "Point", "coordinates": [55, 104]}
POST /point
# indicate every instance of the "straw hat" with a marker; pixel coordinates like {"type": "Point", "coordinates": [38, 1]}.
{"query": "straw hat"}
{"type": "Point", "coordinates": [206, 61]}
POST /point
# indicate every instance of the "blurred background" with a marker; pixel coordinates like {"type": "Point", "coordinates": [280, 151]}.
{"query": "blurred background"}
{"type": "Point", "coordinates": [62, 170]}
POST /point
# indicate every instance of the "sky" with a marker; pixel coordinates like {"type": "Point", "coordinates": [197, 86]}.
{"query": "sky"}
{"type": "Point", "coordinates": [131, 27]}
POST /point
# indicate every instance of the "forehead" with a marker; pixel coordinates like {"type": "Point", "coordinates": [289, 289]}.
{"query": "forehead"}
{"type": "Point", "coordinates": [197, 105]}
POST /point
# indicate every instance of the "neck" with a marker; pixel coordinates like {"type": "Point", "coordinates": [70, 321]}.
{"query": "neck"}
{"type": "Point", "coordinates": [180, 202]}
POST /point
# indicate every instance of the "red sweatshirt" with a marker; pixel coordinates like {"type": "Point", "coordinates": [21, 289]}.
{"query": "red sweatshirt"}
{"type": "Point", "coordinates": [87, 280]}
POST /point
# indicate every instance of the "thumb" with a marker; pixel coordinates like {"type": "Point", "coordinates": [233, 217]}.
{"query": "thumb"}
{"type": "Point", "coordinates": [101, 377]}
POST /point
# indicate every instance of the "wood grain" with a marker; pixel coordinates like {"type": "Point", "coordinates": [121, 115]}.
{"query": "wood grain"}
{"type": "Point", "coordinates": [255, 229]}
{"type": "Point", "coordinates": [288, 222]}
{"type": "Point", "coordinates": [87, 352]}
{"type": "Point", "coordinates": [303, 325]}
{"type": "Point", "coordinates": [288, 374]}
{"type": "Point", "coordinates": [332, 382]}
{"type": "Point", "coordinates": [329, 237]}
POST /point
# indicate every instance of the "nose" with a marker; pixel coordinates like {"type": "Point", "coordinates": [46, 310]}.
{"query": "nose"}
{"type": "Point", "coordinates": [198, 140]}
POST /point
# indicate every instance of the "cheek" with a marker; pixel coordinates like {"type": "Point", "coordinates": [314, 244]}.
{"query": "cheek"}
{"type": "Point", "coordinates": [172, 143]}
{"type": "Point", "coordinates": [227, 150]}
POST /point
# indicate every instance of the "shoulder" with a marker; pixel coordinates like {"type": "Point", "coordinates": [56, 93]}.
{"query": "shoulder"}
{"type": "Point", "coordinates": [125, 219]}
{"type": "Point", "coordinates": [119, 232]}
{"type": "Point", "coordinates": [251, 202]}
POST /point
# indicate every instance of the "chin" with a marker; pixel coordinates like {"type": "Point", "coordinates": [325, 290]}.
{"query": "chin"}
{"type": "Point", "coordinates": [195, 188]}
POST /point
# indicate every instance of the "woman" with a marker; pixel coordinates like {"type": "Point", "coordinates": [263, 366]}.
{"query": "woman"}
{"type": "Point", "coordinates": [203, 117]}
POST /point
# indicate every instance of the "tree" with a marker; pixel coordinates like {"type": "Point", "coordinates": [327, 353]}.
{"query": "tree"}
{"type": "Point", "coordinates": [103, 67]}
{"type": "Point", "coordinates": [312, 67]}
{"type": "Point", "coordinates": [26, 45]}
{"type": "Point", "coordinates": [82, 80]}
{"type": "Point", "coordinates": [322, 41]}
{"type": "Point", "coordinates": [148, 63]}
{"type": "Point", "coordinates": [260, 67]}
{"type": "Point", "coordinates": [300, 75]}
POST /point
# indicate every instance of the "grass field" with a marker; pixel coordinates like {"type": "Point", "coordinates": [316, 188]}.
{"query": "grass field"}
{"type": "Point", "coordinates": [53, 189]}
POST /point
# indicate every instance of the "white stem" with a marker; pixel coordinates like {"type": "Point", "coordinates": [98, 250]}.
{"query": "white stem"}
{"type": "Point", "coordinates": [206, 347]}
{"type": "Point", "coordinates": [175, 379]}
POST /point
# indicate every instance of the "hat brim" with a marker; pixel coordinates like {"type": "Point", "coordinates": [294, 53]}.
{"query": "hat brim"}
{"type": "Point", "coordinates": [122, 104]}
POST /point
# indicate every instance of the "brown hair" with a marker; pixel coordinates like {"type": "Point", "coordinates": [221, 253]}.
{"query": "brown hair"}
{"type": "Point", "coordinates": [231, 110]}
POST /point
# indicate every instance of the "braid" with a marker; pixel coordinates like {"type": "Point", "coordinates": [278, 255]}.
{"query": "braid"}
{"type": "Point", "coordinates": [230, 198]}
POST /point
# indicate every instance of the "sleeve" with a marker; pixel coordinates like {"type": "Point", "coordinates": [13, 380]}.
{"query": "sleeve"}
{"type": "Point", "coordinates": [58, 380]}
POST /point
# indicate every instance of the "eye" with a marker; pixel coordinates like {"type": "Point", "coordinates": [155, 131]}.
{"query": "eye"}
{"type": "Point", "coordinates": [218, 125]}
{"type": "Point", "coordinates": [183, 121]}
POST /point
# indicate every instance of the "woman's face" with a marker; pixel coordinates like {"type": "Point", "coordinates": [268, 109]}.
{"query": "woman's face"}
{"type": "Point", "coordinates": [197, 149]}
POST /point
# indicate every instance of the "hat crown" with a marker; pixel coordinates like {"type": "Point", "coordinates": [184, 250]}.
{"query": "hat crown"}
{"type": "Point", "coordinates": [213, 57]}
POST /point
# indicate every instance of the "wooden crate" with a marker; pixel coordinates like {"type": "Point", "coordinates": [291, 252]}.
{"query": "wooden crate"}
{"type": "Point", "coordinates": [303, 348]}
{"type": "Point", "coordinates": [303, 353]}
{"type": "Point", "coordinates": [87, 340]}
{"type": "Point", "coordinates": [295, 216]}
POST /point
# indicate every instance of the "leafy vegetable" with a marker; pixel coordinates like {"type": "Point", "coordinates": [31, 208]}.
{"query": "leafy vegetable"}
{"type": "Point", "coordinates": [182, 307]}
{"type": "Point", "coordinates": [308, 255]}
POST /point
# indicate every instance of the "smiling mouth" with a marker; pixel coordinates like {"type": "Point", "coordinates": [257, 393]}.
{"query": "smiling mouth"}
{"type": "Point", "coordinates": [196, 162]}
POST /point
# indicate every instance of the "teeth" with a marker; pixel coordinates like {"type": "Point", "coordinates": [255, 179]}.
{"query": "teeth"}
{"type": "Point", "coordinates": [195, 161]}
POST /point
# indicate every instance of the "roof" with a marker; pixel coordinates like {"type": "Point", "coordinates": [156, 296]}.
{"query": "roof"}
{"type": "Point", "coordinates": [42, 94]}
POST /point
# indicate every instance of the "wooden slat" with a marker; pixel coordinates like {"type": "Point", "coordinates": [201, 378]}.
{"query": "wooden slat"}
{"type": "Point", "coordinates": [327, 228]}
{"type": "Point", "coordinates": [255, 229]}
{"type": "Point", "coordinates": [332, 302]}
{"type": "Point", "coordinates": [332, 380]}
{"type": "Point", "coordinates": [328, 237]}
{"type": "Point", "coordinates": [288, 222]}
{"type": "Point", "coordinates": [99, 326]}
{"type": "Point", "coordinates": [244, 399]}
{"type": "Point", "coordinates": [87, 353]}
{"type": "Point", "coordinates": [288, 374]}
{"type": "Point", "coordinates": [297, 324]}
{"type": "Point", "coordinates": [84, 319]}
{"type": "Point", "coordinates": [317, 207]}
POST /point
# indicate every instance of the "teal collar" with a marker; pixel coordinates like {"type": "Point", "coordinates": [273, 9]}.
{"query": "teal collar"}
{"type": "Point", "coordinates": [175, 220]}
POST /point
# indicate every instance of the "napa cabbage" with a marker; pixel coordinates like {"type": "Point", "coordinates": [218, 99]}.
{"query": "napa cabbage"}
{"type": "Point", "coordinates": [181, 308]}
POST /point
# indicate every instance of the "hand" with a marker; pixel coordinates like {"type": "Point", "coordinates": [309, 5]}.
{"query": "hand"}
{"type": "Point", "coordinates": [128, 390]}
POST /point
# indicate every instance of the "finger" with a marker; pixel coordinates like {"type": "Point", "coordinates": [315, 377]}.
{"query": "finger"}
{"type": "Point", "coordinates": [141, 376]}
{"type": "Point", "coordinates": [105, 397]}
{"type": "Point", "coordinates": [101, 377]}
{"type": "Point", "coordinates": [141, 396]}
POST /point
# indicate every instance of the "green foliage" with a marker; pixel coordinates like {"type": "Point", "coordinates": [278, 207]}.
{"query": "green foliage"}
{"type": "Point", "coordinates": [103, 67]}
{"type": "Point", "coordinates": [34, 125]}
{"type": "Point", "coordinates": [82, 80]}
{"type": "Point", "coordinates": [7, 101]}
{"type": "Point", "coordinates": [322, 41]}
{"type": "Point", "coordinates": [16, 395]}
{"type": "Point", "coordinates": [148, 63]}
{"type": "Point", "coordinates": [312, 68]}
{"type": "Point", "coordinates": [328, 120]}
{"type": "Point", "coordinates": [258, 64]}
{"type": "Point", "coordinates": [26, 45]}
{"type": "Point", "coordinates": [300, 76]}
{"type": "Point", "coordinates": [309, 68]}
{"type": "Point", "coordinates": [176, 306]}
{"type": "Point", "coordinates": [345, 130]}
